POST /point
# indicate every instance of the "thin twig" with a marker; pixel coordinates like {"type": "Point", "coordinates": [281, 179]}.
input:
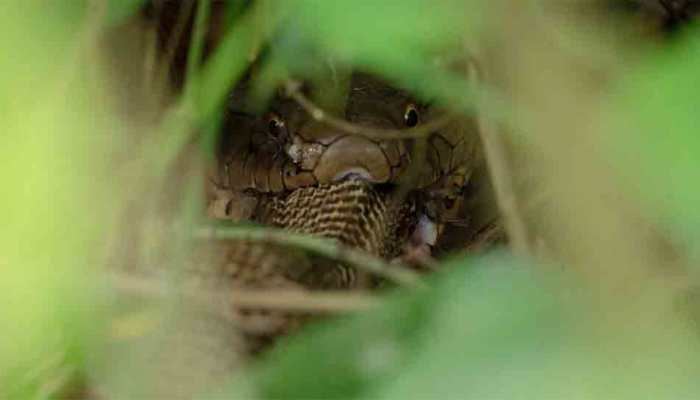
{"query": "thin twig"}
{"type": "Point", "coordinates": [321, 246]}
{"type": "Point", "coordinates": [288, 300]}
{"type": "Point", "coordinates": [292, 89]}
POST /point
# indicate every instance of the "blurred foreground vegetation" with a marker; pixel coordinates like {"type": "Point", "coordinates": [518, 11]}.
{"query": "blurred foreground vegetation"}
{"type": "Point", "coordinates": [593, 103]}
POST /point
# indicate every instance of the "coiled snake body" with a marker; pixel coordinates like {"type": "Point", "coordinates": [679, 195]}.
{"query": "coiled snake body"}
{"type": "Point", "coordinates": [289, 149]}
{"type": "Point", "coordinates": [290, 170]}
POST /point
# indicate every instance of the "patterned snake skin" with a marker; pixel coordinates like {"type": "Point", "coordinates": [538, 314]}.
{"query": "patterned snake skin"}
{"type": "Point", "coordinates": [352, 212]}
{"type": "Point", "coordinates": [305, 179]}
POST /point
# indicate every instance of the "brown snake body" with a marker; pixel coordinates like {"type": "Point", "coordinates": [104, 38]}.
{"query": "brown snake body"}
{"type": "Point", "coordinates": [287, 148]}
{"type": "Point", "coordinates": [289, 170]}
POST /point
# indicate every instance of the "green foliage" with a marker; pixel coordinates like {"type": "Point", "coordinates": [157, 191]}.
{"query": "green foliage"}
{"type": "Point", "coordinates": [51, 206]}
{"type": "Point", "coordinates": [658, 146]}
{"type": "Point", "coordinates": [476, 314]}
{"type": "Point", "coordinates": [488, 328]}
{"type": "Point", "coordinates": [492, 327]}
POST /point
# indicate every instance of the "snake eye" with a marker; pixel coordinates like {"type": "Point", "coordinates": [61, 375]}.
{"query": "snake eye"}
{"type": "Point", "coordinates": [410, 116]}
{"type": "Point", "coordinates": [275, 125]}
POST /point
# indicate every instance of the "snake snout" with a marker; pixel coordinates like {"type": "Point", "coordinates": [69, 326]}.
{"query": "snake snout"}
{"type": "Point", "coordinates": [353, 173]}
{"type": "Point", "coordinates": [353, 156]}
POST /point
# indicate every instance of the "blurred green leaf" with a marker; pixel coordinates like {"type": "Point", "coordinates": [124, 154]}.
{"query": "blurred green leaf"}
{"type": "Point", "coordinates": [120, 10]}
{"type": "Point", "coordinates": [54, 129]}
{"type": "Point", "coordinates": [388, 30]}
{"type": "Point", "coordinates": [488, 328]}
{"type": "Point", "coordinates": [657, 144]}
{"type": "Point", "coordinates": [401, 40]}
{"type": "Point", "coordinates": [474, 316]}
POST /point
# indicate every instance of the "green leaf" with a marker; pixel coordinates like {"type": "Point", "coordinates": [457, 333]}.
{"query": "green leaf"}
{"type": "Point", "coordinates": [55, 209]}
{"type": "Point", "coordinates": [656, 144]}
{"type": "Point", "coordinates": [401, 40]}
{"type": "Point", "coordinates": [470, 306]}
{"type": "Point", "coordinates": [491, 328]}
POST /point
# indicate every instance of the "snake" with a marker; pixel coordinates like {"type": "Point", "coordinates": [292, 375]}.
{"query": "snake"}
{"type": "Point", "coordinates": [287, 169]}
{"type": "Point", "coordinates": [283, 167]}
{"type": "Point", "coordinates": [287, 148]}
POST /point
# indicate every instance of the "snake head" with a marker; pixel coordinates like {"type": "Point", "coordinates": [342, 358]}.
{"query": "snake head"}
{"type": "Point", "coordinates": [332, 155]}
{"type": "Point", "coordinates": [333, 152]}
{"type": "Point", "coordinates": [290, 146]}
